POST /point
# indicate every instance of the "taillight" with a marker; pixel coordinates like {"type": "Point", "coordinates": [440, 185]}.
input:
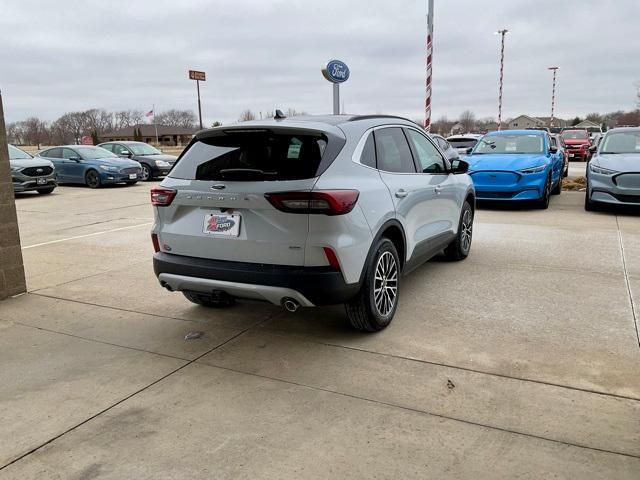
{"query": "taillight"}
{"type": "Point", "coordinates": [331, 258]}
{"type": "Point", "coordinates": [156, 243]}
{"type": "Point", "coordinates": [328, 202]}
{"type": "Point", "coordinates": [162, 197]}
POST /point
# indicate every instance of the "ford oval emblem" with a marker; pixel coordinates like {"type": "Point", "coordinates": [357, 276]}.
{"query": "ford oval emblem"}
{"type": "Point", "coordinates": [336, 71]}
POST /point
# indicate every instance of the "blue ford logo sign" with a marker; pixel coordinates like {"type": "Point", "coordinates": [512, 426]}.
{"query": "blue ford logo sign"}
{"type": "Point", "coordinates": [336, 71]}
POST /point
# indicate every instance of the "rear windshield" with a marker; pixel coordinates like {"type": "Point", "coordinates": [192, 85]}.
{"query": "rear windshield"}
{"type": "Point", "coordinates": [462, 142]}
{"type": "Point", "coordinates": [253, 156]}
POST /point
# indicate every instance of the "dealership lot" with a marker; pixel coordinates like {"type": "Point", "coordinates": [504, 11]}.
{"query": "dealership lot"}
{"type": "Point", "coordinates": [521, 361]}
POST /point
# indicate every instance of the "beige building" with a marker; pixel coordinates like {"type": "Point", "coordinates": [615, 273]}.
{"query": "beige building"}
{"type": "Point", "coordinates": [167, 136]}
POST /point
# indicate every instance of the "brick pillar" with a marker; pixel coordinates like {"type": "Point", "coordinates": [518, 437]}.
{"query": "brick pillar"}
{"type": "Point", "coordinates": [12, 279]}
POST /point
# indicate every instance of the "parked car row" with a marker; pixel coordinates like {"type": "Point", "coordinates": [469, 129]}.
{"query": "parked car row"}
{"type": "Point", "coordinates": [93, 166]}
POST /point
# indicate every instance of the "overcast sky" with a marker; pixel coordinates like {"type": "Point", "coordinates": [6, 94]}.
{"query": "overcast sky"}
{"type": "Point", "coordinates": [66, 55]}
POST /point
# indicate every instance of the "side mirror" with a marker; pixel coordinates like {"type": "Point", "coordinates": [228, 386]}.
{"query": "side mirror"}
{"type": "Point", "coordinates": [593, 148]}
{"type": "Point", "coordinates": [553, 149]}
{"type": "Point", "coordinates": [469, 150]}
{"type": "Point", "coordinates": [459, 166]}
{"type": "Point", "coordinates": [125, 153]}
{"type": "Point", "coordinates": [75, 159]}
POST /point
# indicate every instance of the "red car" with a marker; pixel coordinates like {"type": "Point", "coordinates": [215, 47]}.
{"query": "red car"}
{"type": "Point", "coordinates": [578, 143]}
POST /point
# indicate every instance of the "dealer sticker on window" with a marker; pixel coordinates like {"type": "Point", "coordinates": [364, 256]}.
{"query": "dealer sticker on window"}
{"type": "Point", "coordinates": [222, 224]}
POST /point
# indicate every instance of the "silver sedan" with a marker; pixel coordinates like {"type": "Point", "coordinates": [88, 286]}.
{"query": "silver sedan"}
{"type": "Point", "coordinates": [613, 173]}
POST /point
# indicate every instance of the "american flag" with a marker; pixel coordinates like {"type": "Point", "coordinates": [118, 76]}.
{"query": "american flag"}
{"type": "Point", "coordinates": [149, 114]}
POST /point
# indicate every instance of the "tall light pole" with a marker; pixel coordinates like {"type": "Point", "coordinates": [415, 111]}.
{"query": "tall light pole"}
{"type": "Point", "coordinates": [553, 95]}
{"type": "Point", "coordinates": [502, 32]}
{"type": "Point", "coordinates": [427, 102]}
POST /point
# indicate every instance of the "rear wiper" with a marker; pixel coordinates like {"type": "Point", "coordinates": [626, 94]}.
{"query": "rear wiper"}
{"type": "Point", "coordinates": [244, 173]}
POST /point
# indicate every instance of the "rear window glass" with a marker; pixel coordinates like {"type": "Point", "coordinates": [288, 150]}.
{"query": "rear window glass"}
{"type": "Point", "coordinates": [253, 156]}
{"type": "Point", "coordinates": [463, 142]}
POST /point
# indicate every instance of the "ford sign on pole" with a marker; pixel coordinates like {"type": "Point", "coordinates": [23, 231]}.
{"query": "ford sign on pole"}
{"type": "Point", "coordinates": [336, 72]}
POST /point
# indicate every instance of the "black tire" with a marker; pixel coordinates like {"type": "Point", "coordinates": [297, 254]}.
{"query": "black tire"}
{"type": "Point", "coordinates": [131, 183]}
{"type": "Point", "coordinates": [557, 190]}
{"type": "Point", "coordinates": [460, 247]}
{"type": "Point", "coordinates": [367, 312]}
{"type": "Point", "coordinates": [209, 301]}
{"type": "Point", "coordinates": [543, 203]}
{"type": "Point", "coordinates": [92, 179]}
{"type": "Point", "coordinates": [590, 206]}
{"type": "Point", "coordinates": [146, 175]}
{"type": "Point", "coordinates": [46, 191]}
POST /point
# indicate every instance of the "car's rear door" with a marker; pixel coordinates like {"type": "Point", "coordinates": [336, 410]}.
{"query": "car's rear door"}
{"type": "Point", "coordinates": [73, 167]}
{"type": "Point", "coordinates": [220, 210]}
{"type": "Point", "coordinates": [54, 155]}
{"type": "Point", "coordinates": [410, 191]}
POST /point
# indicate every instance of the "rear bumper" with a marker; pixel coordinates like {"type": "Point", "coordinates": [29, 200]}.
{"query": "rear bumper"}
{"type": "Point", "coordinates": [309, 285]}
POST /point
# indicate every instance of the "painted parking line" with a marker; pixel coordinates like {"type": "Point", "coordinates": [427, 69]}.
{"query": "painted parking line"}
{"type": "Point", "coordinates": [87, 235]}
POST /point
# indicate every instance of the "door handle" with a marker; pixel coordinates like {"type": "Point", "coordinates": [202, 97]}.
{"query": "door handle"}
{"type": "Point", "coordinates": [438, 189]}
{"type": "Point", "coordinates": [401, 193]}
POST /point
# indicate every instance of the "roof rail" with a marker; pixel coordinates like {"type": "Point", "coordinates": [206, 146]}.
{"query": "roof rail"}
{"type": "Point", "coordinates": [371, 117]}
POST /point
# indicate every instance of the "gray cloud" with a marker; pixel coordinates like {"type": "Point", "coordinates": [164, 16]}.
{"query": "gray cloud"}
{"type": "Point", "coordinates": [74, 55]}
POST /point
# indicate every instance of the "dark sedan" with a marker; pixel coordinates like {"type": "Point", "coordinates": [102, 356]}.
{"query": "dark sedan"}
{"type": "Point", "coordinates": [154, 163]}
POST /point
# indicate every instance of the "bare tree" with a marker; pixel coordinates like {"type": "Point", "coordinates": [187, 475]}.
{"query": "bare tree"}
{"type": "Point", "coordinates": [247, 115]}
{"type": "Point", "coordinates": [442, 125]}
{"type": "Point", "coordinates": [176, 118]}
{"type": "Point", "coordinates": [15, 133]}
{"type": "Point", "coordinates": [98, 120]}
{"type": "Point", "coordinates": [35, 131]}
{"type": "Point", "coordinates": [594, 117]}
{"type": "Point", "coordinates": [292, 112]}
{"type": "Point", "coordinates": [467, 121]}
{"type": "Point", "coordinates": [127, 118]}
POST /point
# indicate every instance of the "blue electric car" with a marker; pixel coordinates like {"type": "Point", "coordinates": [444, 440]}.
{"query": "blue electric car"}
{"type": "Point", "coordinates": [516, 165]}
{"type": "Point", "coordinates": [92, 166]}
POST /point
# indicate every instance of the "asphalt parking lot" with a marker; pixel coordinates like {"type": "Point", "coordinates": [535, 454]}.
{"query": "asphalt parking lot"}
{"type": "Point", "coordinates": [520, 362]}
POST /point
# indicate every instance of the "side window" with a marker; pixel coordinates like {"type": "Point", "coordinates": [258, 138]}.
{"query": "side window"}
{"type": "Point", "coordinates": [53, 153]}
{"type": "Point", "coordinates": [553, 142]}
{"type": "Point", "coordinates": [107, 146]}
{"type": "Point", "coordinates": [393, 151]}
{"type": "Point", "coordinates": [68, 153]}
{"type": "Point", "coordinates": [368, 156]}
{"type": "Point", "coordinates": [442, 143]}
{"type": "Point", "coordinates": [430, 159]}
{"type": "Point", "coordinates": [118, 149]}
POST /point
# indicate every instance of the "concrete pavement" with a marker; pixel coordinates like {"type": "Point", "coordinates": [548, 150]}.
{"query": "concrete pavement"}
{"type": "Point", "coordinates": [521, 361]}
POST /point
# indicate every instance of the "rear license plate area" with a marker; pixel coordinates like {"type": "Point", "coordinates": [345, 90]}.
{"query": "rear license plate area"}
{"type": "Point", "coordinates": [222, 224]}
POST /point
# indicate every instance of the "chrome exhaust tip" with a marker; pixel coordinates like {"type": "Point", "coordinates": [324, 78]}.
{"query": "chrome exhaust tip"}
{"type": "Point", "coordinates": [290, 304]}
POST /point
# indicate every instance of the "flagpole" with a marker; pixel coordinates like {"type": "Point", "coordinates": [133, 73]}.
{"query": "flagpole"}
{"type": "Point", "coordinates": [155, 125]}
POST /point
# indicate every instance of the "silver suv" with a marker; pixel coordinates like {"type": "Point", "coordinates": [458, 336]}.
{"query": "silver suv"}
{"type": "Point", "coordinates": [309, 211]}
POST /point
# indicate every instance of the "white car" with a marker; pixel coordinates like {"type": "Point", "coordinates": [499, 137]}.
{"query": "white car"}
{"type": "Point", "coordinates": [462, 143]}
{"type": "Point", "coordinates": [309, 211]}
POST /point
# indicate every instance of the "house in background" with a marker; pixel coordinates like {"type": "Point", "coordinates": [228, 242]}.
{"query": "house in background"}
{"type": "Point", "coordinates": [167, 136]}
{"type": "Point", "coordinates": [525, 121]}
{"type": "Point", "coordinates": [587, 124]}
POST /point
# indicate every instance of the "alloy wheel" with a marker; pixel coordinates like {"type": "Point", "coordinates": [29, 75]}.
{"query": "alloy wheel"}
{"type": "Point", "coordinates": [467, 230]}
{"type": "Point", "coordinates": [93, 180]}
{"type": "Point", "coordinates": [146, 173]}
{"type": "Point", "coordinates": [385, 284]}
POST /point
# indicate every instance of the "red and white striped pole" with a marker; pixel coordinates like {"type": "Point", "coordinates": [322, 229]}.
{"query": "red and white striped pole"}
{"type": "Point", "coordinates": [428, 85]}
{"type": "Point", "coordinates": [553, 95]}
{"type": "Point", "coordinates": [502, 32]}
